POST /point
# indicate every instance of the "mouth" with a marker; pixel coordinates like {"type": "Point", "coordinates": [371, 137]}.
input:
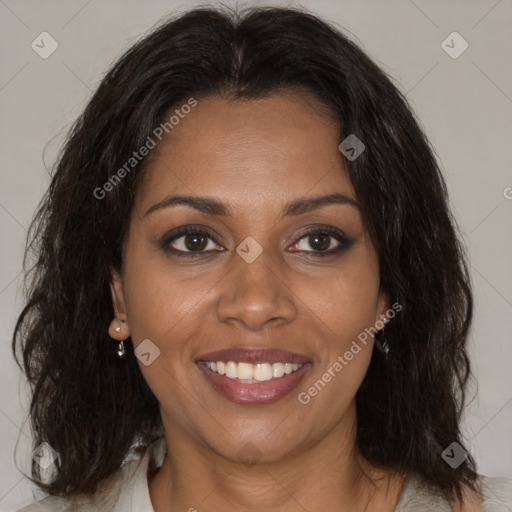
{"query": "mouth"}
{"type": "Point", "coordinates": [253, 376]}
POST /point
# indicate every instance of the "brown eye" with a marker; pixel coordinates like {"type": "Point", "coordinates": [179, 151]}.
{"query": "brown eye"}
{"type": "Point", "coordinates": [322, 242]}
{"type": "Point", "coordinates": [319, 242]}
{"type": "Point", "coordinates": [195, 242]}
{"type": "Point", "coordinates": [190, 241]}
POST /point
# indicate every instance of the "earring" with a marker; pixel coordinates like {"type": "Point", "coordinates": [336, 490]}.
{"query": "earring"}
{"type": "Point", "coordinates": [118, 329]}
{"type": "Point", "coordinates": [121, 352]}
{"type": "Point", "coordinates": [382, 344]}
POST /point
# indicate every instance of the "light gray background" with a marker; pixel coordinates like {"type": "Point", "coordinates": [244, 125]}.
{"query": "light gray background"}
{"type": "Point", "coordinates": [465, 105]}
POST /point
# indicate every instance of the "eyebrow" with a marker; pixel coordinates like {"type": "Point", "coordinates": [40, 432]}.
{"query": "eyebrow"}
{"type": "Point", "coordinates": [211, 206]}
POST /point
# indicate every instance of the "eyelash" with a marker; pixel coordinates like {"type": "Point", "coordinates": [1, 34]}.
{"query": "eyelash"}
{"type": "Point", "coordinates": [344, 242]}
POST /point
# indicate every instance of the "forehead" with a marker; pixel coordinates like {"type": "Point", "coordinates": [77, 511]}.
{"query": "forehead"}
{"type": "Point", "coordinates": [270, 149]}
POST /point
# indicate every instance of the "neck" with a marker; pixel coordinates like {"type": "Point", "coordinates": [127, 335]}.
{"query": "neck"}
{"type": "Point", "coordinates": [328, 475]}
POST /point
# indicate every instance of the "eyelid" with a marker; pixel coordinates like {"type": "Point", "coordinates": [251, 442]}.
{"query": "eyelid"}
{"type": "Point", "coordinates": [344, 242]}
{"type": "Point", "coordinates": [176, 234]}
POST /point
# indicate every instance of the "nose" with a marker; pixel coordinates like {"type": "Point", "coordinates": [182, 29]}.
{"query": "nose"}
{"type": "Point", "coordinates": [255, 295]}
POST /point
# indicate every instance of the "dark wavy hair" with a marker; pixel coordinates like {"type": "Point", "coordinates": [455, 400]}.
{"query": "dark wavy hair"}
{"type": "Point", "coordinates": [91, 407]}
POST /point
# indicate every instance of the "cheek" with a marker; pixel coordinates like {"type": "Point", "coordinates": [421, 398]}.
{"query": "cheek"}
{"type": "Point", "coordinates": [164, 303]}
{"type": "Point", "coordinates": [168, 317]}
{"type": "Point", "coordinates": [169, 301]}
{"type": "Point", "coordinates": [160, 301]}
{"type": "Point", "coordinates": [164, 308]}
{"type": "Point", "coordinates": [345, 306]}
{"type": "Point", "coordinates": [346, 300]}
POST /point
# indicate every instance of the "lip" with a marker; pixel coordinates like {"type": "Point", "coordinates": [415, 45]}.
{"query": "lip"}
{"type": "Point", "coordinates": [265, 392]}
{"type": "Point", "coordinates": [254, 355]}
{"type": "Point", "coordinates": [261, 393]}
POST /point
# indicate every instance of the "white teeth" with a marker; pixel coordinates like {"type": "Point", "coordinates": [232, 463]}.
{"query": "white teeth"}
{"type": "Point", "coordinates": [231, 370]}
{"type": "Point", "coordinates": [263, 371]}
{"type": "Point", "coordinates": [245, 371]}
{"type": "Point", "coordinates": [277, 370]}
{"type": "Point", "coordinates": [288, 368]}
{"type": "Point", "coordinates": [251, 373]}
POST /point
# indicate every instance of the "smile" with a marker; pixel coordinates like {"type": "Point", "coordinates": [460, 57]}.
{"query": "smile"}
{"type": "Point", "coordinates": [253, 376]}
{"type": "Point", "coordinates": [252, 373]}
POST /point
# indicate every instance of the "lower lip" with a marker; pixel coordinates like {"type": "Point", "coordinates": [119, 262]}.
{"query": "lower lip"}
{"type": "Point", "coordinates": [265, 392]}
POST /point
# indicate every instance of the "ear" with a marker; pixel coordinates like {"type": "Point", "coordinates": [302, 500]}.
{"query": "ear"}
{"type": "Point", "coordinates": [383, 306]}
{"type": "Point", "coordinates": [116, 290]}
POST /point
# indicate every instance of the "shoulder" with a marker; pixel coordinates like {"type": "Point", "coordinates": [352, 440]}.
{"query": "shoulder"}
{"type": "Point", "coordinates": [418, 496]}
{"type": "Point", "coordinates": [125, 490]}
{"type": "Point", "coordinates": [496, 494]}
{"type": "Point", "coordinates": [105, 498]}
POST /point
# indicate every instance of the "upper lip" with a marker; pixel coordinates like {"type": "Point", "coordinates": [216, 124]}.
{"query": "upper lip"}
{"type": "Point", "coordinates": [255, 355]}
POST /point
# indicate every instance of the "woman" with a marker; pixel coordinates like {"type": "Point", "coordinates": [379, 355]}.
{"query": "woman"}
{"type": "Point", "coordinates": [249, 293]}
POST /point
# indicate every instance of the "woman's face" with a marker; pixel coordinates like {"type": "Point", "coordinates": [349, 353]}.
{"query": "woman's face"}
{"type": "Point", "coordinates": [256, 280]}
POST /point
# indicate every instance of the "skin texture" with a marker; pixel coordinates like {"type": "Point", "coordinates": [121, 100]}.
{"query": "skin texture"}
{"type": "Point", "coordinates": [254, 156]}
